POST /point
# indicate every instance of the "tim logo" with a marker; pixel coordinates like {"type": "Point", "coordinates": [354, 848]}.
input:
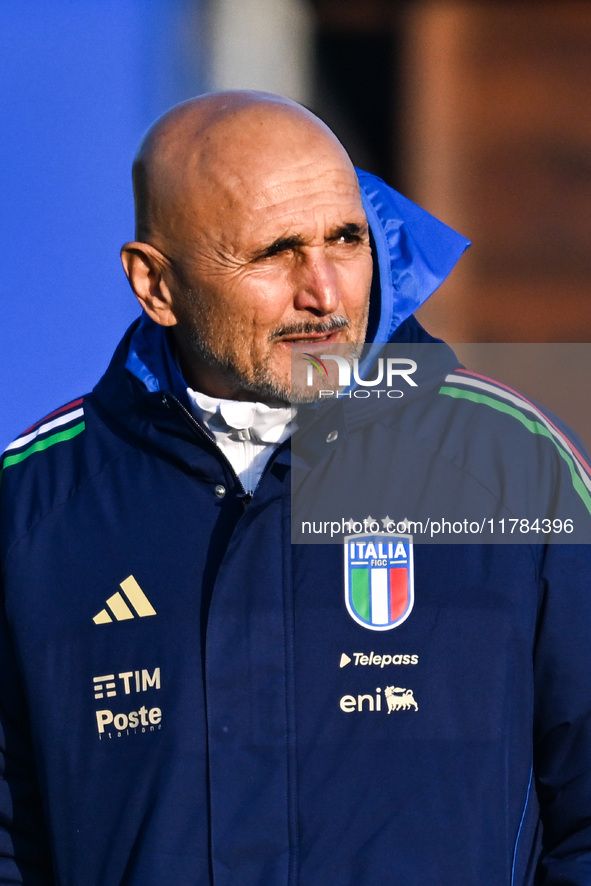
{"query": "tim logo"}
{"type": "Point", "coordinates": [388, 370]}
{"type": "Point", "coordinates": [379, 585]}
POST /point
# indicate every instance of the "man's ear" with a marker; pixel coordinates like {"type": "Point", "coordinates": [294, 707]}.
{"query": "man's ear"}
{"type": "Point", "coordinates": [145, 268]}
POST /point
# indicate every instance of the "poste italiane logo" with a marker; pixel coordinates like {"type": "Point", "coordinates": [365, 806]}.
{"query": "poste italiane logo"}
{"type": "Point", "coordinates": [379, 581]}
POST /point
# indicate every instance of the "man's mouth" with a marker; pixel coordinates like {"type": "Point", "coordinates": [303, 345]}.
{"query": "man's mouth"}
{"type": "Point", "coordinates": [308, 339]}
{"type": "Point", "coordinates": [310, 333]}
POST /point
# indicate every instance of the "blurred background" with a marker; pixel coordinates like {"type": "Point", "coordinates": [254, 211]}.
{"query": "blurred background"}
{"type": "Point", "coordinates": [477, 110]}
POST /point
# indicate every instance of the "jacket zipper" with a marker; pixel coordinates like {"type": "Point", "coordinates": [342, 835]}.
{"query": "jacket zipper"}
{"type": "Point", "coordinates": [245, 497]}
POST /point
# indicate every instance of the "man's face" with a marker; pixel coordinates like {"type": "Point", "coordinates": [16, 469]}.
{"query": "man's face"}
{"type": "Point", "coordinates": [279, 261]}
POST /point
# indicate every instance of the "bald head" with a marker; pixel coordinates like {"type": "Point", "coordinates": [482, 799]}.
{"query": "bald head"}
{"type": "Point", "coordinates": [252, 240]}
{"type": "Point", "coordinates": [204, 148]}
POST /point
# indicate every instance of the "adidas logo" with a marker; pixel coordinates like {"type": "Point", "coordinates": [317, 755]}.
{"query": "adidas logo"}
{"type": "Point", "coordinates": [120, 609]}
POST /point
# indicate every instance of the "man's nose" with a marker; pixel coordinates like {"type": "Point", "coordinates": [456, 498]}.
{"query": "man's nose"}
{"type": "Point", "coordinates": [316, 285]}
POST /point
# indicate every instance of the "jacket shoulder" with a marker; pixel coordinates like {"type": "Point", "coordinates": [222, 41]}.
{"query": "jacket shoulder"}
{"type": "Point", "coordinates": [496, 425]}
{"type": "Point", "coordinates": [61, 425]}
{"type": "Point", "coordinates": [48, 462]}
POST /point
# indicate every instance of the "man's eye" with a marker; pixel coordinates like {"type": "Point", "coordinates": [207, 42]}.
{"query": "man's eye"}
{"type": "Point", "coordinates": [352, 234]}
{"type": "Point", "coordinates": [348, 239]}
{"type": "Point", "coordinates": [276, 249]}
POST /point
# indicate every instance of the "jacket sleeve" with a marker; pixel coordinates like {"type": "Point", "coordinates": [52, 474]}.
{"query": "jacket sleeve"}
{"type": "Point", "coordinates": [24, 852]}
{"type": "Point", "coordinates": [562, 727]}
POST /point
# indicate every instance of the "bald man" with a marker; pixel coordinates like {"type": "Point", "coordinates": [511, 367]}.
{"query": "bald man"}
{"type": "Point", "coordinates": [189, 697]}
{"type": "Point", "coordinates": [253, 241]}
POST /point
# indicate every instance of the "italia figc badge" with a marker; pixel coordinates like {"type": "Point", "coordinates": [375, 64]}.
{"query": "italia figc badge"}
{"type": "Point", "coordinates": [379, 585]}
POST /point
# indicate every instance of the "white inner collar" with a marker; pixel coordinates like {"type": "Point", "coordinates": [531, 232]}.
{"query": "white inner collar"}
{"type": "Point", "coordinates": [247, 433]}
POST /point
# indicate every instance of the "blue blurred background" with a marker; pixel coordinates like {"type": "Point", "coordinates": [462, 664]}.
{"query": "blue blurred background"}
{"type": "Point", "coordinates": [81, 81]}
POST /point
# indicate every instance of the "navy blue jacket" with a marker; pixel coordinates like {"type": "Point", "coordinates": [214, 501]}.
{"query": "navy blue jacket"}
{"type": "Point", "coordinates": [189, 697]}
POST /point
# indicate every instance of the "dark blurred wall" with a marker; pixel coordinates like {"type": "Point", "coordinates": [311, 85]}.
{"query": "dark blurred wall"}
{"type": "Point", "coordinates": [483, 107]}
{"type": "Point", "coordinates": [479, 111]}
{"type": "Point", "coordinates": [498, 143]}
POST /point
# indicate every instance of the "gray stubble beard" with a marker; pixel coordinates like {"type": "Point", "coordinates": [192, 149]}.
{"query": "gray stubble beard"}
{"type": "Point", "coordinates": [262, 386]}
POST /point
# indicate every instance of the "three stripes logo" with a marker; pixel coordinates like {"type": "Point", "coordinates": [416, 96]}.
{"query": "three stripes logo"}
{"type": "Point", "coordinates": [133, 602]}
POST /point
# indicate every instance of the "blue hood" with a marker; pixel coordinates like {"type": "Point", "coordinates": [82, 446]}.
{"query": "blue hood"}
{"type": "Point", "coordinates": [413, 254]}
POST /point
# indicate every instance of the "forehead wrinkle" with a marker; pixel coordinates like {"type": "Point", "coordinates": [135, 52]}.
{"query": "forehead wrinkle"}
{"type": "Point", "coordinates": [318, 209]}
{"type": "Point", "coordinates": [242, 218]}
{"type": "Point", "coordinates": [317, 194]}
{"type": "Point", "coordinates": [326, 193]}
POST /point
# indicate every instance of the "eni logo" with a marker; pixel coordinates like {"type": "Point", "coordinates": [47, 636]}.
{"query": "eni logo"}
{"type": "Point", "coordinates": [397, 699]}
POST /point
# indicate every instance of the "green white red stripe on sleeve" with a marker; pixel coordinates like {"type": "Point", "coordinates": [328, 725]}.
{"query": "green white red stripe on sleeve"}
{"type": "Point", "coordinates": [467, 385]}
{"type": "Point", "coordinates": [62, 424]}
